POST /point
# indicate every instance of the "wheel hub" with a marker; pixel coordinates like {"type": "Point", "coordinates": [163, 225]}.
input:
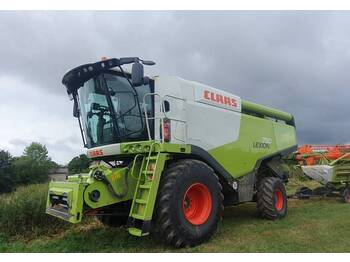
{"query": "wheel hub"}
{"type": "Point", "coordinates": [197, 204]}
{"type": "Point", "coordinates": [279, 200]}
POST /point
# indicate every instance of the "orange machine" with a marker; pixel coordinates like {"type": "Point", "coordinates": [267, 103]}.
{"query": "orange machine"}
{"type": "Point", "coordinates": [311, 154]}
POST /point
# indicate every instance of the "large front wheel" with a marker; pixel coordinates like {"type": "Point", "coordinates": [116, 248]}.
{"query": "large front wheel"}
{"type": "Point", "coordinates": [189, 204]}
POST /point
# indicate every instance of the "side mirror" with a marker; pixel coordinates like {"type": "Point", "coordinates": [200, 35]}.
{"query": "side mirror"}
{"type": "Point", "coordinates": [137, 74]}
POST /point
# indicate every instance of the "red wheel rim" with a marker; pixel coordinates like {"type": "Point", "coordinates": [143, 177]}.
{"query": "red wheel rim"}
{"type": "Point", "coordinates": [197, 204]}
{"type": "Point", "coordinates": [279, 200]}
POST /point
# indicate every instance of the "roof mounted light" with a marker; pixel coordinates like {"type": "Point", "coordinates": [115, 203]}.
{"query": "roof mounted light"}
{"type": "Point", "coordinates": [76, 77]}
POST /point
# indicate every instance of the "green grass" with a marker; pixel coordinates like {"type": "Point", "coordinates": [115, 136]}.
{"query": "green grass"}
{"type": "Point", "coordinates": [318, 225]}
{"type": "Point", "coordinates": [22, 213]}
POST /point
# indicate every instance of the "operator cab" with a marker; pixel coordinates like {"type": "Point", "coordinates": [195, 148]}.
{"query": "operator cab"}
{"type": "Point", "coordinates": [111, 105]}
{"type": "Point", "coordinates": [112, 111]}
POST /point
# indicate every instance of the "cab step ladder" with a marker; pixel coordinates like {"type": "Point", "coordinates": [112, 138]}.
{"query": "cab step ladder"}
{"type": "Point", "coordinates": [139, 221]}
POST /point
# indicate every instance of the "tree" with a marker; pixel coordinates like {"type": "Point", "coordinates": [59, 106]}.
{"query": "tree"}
{"type": "Point", "coordinates": [79, 164]}
{"type": "Point", "coordinates": [6, 176]}
{"type": "Point", "coordinates": [33, 166]}
{"type": "Point", "coordinates": [37, 153]}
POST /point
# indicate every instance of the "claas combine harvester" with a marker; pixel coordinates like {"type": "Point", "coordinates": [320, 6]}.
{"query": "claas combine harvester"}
{"type": "Point", "coordinates": [327, 164]}
{"type": "Point", "coordinates": [169, 153]}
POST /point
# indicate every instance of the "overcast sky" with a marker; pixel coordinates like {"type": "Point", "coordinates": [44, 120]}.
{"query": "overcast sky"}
{"type": "Point", "coordinates": [295, 61]}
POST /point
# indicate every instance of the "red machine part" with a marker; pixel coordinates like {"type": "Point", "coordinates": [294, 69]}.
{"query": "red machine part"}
{"type": "Point", "coordinates": [331, 152]}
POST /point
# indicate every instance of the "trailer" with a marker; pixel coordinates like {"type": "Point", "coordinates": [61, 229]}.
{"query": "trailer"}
{"type": "Point", "coordinates": [169, 154]}
{"type": "Point", "coordinates": [327, 164]}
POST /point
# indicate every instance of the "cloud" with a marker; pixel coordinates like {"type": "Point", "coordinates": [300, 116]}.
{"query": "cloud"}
{"type": "Point", "coordinates": [295, 61]}
{"type": "Point", "coordinates": [29, 114]}
{"type": "Point", "coordinates": [18, 142]}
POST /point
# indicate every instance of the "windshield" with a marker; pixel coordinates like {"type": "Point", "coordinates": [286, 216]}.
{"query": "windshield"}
{"type": "Point", "coordinates": [112, 111]}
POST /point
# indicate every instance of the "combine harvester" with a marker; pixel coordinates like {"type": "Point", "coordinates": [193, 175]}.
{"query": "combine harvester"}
{"type": "Point", "coordinates": [327, 164]}
{"type": "Point", "coordinates": [169, 153]}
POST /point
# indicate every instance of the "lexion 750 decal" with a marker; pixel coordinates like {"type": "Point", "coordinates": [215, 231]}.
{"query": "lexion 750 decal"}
{"type": "Point", "coordinates": [263, 144]}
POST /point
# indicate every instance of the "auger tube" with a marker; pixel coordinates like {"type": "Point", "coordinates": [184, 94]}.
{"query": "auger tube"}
{"type": "Point", "coordinates": [251, 107]}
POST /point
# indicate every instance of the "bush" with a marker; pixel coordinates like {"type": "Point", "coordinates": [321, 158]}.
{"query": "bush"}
{"type": "Point", "coordinates": [22, 213]}
{"type": "Point", "coordinates": [79, 164]}
{"type": "Point", "coordinates": [33, 166]}
{"type": "Point", "coordinates": [28, 171]}
{"type": "Point", "coordinates": [6, 176]}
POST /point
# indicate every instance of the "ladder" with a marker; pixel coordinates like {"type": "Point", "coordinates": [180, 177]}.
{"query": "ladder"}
{"type": "Point", "coordinates": [140, 216]}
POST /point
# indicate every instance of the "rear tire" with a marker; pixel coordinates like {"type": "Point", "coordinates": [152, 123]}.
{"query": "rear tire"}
{"type": "Point", "coordinates": [272, 198]}
{"type": "Point", "coordinates": [189, 204]}
{"type": "Point", "coordinates": [346, 195]}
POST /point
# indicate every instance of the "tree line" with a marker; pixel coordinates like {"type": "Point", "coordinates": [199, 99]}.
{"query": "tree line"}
{"type": "Point", "coordinates": [33, 167]}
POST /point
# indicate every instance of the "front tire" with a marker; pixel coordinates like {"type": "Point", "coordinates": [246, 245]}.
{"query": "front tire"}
{"type": "Point", "coordinates": [189, 204]}
{"type": "Point", "coordinates": [272, 198]}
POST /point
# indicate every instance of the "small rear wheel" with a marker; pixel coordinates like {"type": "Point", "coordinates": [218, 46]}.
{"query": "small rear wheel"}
{"type": "Point", "coordinates": [346, 195]}
{"type": "Point", "coordinates": [272, 198]}
{"type": "Point", "coordinates": [303, 193]}
{"type": "Point", "coordinates": [189, 204]}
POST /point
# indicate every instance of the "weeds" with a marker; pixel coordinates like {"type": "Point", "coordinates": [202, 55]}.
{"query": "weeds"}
{"type": "Point", "coordinates": [22, 213]}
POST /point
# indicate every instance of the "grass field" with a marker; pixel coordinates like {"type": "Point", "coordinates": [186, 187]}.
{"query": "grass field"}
{"type": "Point", "coordinates": [317, 225]}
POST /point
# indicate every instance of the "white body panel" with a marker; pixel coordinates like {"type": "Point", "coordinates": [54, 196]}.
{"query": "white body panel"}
{"type": "Point", "coordinates": [205, 116]}
{"type": "Point", "coordinates": [320, 173]}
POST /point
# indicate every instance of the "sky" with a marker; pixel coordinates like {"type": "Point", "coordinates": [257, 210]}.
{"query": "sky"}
{"type": "Point", "coordinates": [297, 61]}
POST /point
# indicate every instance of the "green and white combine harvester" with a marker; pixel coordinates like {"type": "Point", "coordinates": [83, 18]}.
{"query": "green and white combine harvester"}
{"type": "Point", "coordinates": [169, 153]}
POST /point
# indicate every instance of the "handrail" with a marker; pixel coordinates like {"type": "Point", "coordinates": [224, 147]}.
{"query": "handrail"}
{"type": "Point", "coordinates": [163, 115]}
{"type": "Point", "coordinates": [174, 119]}
{"type": "Point", "coordinates": [145, 112]}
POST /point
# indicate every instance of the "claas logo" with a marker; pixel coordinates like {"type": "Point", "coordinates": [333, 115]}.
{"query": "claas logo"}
{"type": "Point", "coordinates": [96, 153]}
{"type": "Point", "coordinates": [224, 100]}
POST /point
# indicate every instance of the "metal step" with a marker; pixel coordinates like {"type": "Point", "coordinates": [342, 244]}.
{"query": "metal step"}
{"type": "Point", "coordinates": [137, 216]}
{"type": "Point", "coordinates": [145, 186]}
{"type": "Point", "coordinates": [136, 232]}
{"type": "Point", "coordinates": [140, 201]}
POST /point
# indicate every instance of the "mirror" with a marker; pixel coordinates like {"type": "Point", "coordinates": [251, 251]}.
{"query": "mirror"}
{"type": "Point", "coordinates": [137, 74]}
